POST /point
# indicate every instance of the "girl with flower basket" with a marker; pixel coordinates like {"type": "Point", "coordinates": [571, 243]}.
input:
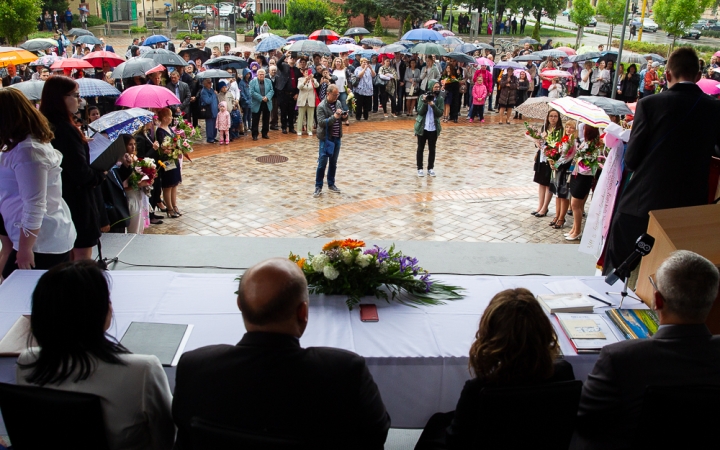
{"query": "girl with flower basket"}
{"type": "Point", "coordinates": [588, 160]}
{"type": "Point", "coordinates": [550, 135]}
{"type": "Point", "coordinates": [561, 173]}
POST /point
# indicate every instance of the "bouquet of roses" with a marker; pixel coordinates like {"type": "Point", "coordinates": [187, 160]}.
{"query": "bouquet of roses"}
{"type": "Point", "coordinates": [170, 146]}
{"type": "Point", "coordinates": [143, 170]}
{"type": "Point", "coordinates": [532, 132]}
{"type": "Point", "coordinates": [590, 157]}
{"type": "Point", "coordinates": [552, 147]}
{"type": "Point", "coordinates": [344, 267]}
{"type": "Point", "coordinates": [187, 134]}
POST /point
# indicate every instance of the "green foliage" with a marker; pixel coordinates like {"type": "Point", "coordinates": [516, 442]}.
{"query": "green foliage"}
{"type": "Point", "coordinates": [612, 10]}
{"type": "Point", "coordinates": [274, 20]}
{"type": "Point", "coordinates": [54, 5]}
{"type": "Point", "coordinates": [378, 31]}
{"type": "Point", "coordinates": [580, 15]}
{"type": "Point", "coordinates": [306, 16]}
{"type": "Point", "coordinates": [400, 9]}
{"type": "Point", "coordinates": [41, 34]}
{"type": "Point", "coordinates": [18, 18]}
{"type": "Point", "coordinates": [337, 22]}
{"type": "Point", "coordinates": [194, 37]}
{"type": "Point", "coordinates": [704, 51]}
{"type": "Point", "coordinates": [367, 8]}
{"type": "Point", "coordinates": [138, 30]}
{"type": "Point", "coordinates": [407, 25]}
{"type": "Point", "coordinates": [93, 21]}
{"type": "Point", "coordinates": [674, 16]}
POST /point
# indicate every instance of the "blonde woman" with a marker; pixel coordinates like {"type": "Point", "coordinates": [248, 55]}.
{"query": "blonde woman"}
{"type": "Point", "coordinates": [306, 102]}
{"type": "Point", "coordinates": [343, 76]}
{"type": "Point", "coordinates": [560, 185]}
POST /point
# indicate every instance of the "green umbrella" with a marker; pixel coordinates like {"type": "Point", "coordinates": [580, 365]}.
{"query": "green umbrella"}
{"type": "Point", "coordinates": [429, 48]}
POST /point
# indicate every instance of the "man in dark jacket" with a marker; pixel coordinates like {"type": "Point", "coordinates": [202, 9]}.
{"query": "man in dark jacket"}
{"type": "Point", "coordinates": [268, 385]}
{"type": "Point", "coordinates": [182, 91]}
{"type": "Point", "coordinates": [669, 153]}
{"type": "Point", "coordinates": [329, 117]}
{"type": "Point", "coordinates": [286, 82]}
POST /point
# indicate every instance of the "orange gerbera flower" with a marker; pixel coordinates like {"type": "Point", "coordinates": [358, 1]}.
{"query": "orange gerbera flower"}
{"type": "Point", "coordinates": [161, 164]}
{"type": "Point", "coordinates": [352, 243]}
{"type": "Point", "coordinates": [301, 263]}
{"type": "Point", "coordinates": [332, 244]}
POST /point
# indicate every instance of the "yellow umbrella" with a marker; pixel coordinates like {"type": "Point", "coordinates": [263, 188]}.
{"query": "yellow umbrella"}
{"type": "Point", "coordinates": [14, 55]}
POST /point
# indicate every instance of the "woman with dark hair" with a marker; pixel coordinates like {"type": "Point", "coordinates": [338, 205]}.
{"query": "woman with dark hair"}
{"type": "Point", "coordinates": [71, 313]}
{"type": "Point", "coordinates": [60, 100]}
{"type": "Point", "coordinates": [39, 228]}
{"type": "Point", "coordinates": [170, 174]}
{"type": "Point", "coordinates": [582, 178]}
{"type": "Point", "coordinates": [508, 95]}
{"type": "Point", "coordinates": [515, 345]}
{"type": "Point", "coordinates": [629, 85]}
{"type": "Point", "coordinates": [548, 45]}
{"type": "Point", "coordinates": [551, 133]}
{"type": "Point", "coordinates": [146, 147]}
{"type": "Point", "coordinates": [451, 85]}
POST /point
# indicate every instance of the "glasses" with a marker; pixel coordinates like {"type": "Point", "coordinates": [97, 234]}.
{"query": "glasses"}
{"type": "Point", "coordinates": [74, 94]}
{"type": "Point", "coordinates": [652, 282]}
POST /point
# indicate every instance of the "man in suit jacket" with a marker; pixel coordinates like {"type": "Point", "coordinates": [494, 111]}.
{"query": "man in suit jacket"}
{"type": "Point", "coordinates": [106, 48]}
{"type": "Point", "coordinates": [268, 384]}
{"type": "Point", "coordinates": [182, 91]}
{"type": "Point", "coordinates": [682, 352]}
{"type": "Point", "coordinates": [286, 83]}
{"type": "Point", "coordinates": [673, 139]}
{"type": "Point", "coordinates": [261, 91]}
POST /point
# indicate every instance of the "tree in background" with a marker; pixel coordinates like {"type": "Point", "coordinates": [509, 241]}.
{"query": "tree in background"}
{"type": "Point", "coordinates": [368, 9]}
{"type": "Point", "coordinates": [614, 12]}
{"type": "Point", "coordinates": [400, 9]}
{"type": "Point", "coordinates": [407, 25]}
{"type": "Point", "coordinates": [675, 16]}
{"type": "Point", "coordinates": [337, 22]}
{"type": "Point", "coordinates": [378, 30]}
{"type": "Point", "coordinates": [18, 18]}
{"type": "Point", "coordinates": [306, 16]}
{"type": "Point", "coordinates": [580, 15]}
{"type": "Point", "coordinates": [55, 5]}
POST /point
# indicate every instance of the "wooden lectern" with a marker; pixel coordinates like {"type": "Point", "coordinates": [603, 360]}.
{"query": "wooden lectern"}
{"type": "Point", "coordinates": [696, 228]}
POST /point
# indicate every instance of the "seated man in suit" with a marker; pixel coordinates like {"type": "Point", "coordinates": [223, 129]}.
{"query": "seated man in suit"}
{"type": "Point", "coordinates": [682, 352]}
{"type": "Point", "coordinates": [269, 385]}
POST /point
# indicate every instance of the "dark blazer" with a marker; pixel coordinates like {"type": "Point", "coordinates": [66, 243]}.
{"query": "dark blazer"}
{"type": "Point", "coordinates": [115, 199]}
{"type": "Point", "coordinates": [268, 383]}
{"type": "Point", "coordinates": [282, 78]}
{"type": "Point", "coordinates": [611, 398]}
{"type": "Point", "coordinates": [184, 95]}
{"type": "Point", "coordinates": [464, 430]}
{"type": "Point", "coordinates": [674, 135]}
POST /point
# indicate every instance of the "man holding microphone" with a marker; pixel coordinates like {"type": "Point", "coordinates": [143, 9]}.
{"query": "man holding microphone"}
{"type": "Point", "coordinates": [330, 116]}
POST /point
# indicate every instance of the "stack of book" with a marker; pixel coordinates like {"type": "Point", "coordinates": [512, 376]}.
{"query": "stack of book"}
{"type": "Point", "coordinates": [588, 333]}
{"type": "Point", "coordinates": [566, 303]}
{"type": "Point", "coordinates": [634, 323]}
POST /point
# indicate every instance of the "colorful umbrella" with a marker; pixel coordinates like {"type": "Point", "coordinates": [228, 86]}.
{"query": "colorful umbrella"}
{"type": "Point", "coordinates": [485, 62]}
{"type": "Point", "coordinates": [709, 86]}
{"type": "Point", "coordinates": [372, 42]}
{"type": "Point", "coordinates": [324, 35]}
{"type": "Point", "coordinates": [45, 61]}
{"type": "Point", "coordinates": [71, 63]}
{"type": "Point", "coordinates": [632, 106]}
{"type": "Point", "coordinates": [165, 57]}
{"type": "Point", "coordinates": [147, 96]}
{"type": "Point", "coordinates": [556, 73]}
{"type": "Point", "coordinates": [158, 68]}
{"type": "Point", "coordinates": [271, 42]}
{"type": "Point", "coordinates": [125, 121]}
{"type": "Point", "coordinates": [14, 55]}
{"type": "Point", "coordinates": [309, 48]}
{"type": "Point", "coordinates": [583, 111]}
{"type": "Point", "coordinates": [31, 89]}
{"type": "Point", "coordinates": [610, 106]}
{"type": "Point", "coordinates": [567, 50]}
{"type": "Point", "coordinates": [97, 59]}
{"type": "Point", "coordinates": [133, 67]}
{"type": "Point", "coordinates": [156, 39]}
{"type": "Point", "coordinates": [429, 48]}
{"type": "Point", "coordinates": [40, 44]}
{"type": "Point", "coordinates": [356, 31]}
{"type": "Point", "coordinates": [446, 33]}
{"type": "Point", "coordinates": [534, 107]}
{"type": "Point", "coordinates": [92, 87]}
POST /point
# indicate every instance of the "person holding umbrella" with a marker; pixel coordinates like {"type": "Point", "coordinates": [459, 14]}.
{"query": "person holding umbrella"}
{"type": "Point", "coordinates": [209, 110]}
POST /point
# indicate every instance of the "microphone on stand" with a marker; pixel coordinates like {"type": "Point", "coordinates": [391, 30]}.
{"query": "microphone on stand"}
{"type": "Point", "coordinates": [643, 246]}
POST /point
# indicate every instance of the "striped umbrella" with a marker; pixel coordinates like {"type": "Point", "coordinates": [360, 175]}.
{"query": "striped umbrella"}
{"type": "Point", "coordinates": [271, 42]}
{"type": "Point", "coordinates": [583, 111]}
{"type": "Point", "coordinates": [92, 87]}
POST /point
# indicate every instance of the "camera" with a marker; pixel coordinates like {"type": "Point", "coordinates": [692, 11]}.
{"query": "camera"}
{"type": "Point", "coordinates": [429, 98]}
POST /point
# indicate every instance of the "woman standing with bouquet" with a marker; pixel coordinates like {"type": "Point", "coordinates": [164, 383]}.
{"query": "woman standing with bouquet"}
{"type": "Point", "coordinates": [587, 161]}
{"type": "Point", "coordinates": [561, 172]}
{"type": "Point", "coordinates": [412, 87]}
{"type": "Point", "coordinates": [170, 168]}
{"type": "Point", "coordinates": [551, 134]}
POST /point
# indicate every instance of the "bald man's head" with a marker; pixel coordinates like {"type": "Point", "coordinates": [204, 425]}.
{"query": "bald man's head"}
{"type": "Point", "coordinates": [273, 296]}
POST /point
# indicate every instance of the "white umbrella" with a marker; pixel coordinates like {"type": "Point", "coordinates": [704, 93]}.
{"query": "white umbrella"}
{"type": "Point", "coordinates": [220, 39]}
{"type": "Point", "coordinates": [261, 36]}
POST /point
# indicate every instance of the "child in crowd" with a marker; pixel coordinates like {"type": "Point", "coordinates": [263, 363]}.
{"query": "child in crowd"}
{"type": "Point", "coordinates": [479, 94]}
{"type": "Point", "coordinates": [555, 89]}
{"type": "Point", "coordinates": [222, 123]}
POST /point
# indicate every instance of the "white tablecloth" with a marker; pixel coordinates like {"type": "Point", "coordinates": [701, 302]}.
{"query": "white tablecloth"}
{"type": "Point", "coordinates": [418, 356]}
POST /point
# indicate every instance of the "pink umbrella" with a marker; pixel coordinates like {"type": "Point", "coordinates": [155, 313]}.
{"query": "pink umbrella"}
{"type": "Point", "coordinates": [70, 63]}
{"type": "Point", "coordinates": [158, 68]}
{"type": "Point", "coordinates": [567, 50]}
{"type": "Point", "coordinates": [709, 86]}
{"type": "Point", "coordinates": [430, 23]}
{"type": "Point", "coordinates": [446, 33]}
{"type": "Point", "coordinates": [147, 96]}
{"type": "Point", "coordinates": [556, 73]}
{"type": "Point", "coordinates": [717, 53]}
{"type": "Point", "coordinates": [485, 62]}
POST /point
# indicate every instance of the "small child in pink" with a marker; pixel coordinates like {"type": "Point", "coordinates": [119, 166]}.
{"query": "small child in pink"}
{"type": "Point", "coordinates": [479, 94]}
{"type": "Point", "coordinates": [222, 123]}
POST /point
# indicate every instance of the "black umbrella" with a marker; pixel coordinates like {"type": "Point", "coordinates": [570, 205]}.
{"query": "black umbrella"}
{"type": "Point", "coordinates": [655, 58]}
{"type": "Point", "coordinates": [91, 40]}
{"type": "Point", "coordinates": [356, 31]}
{"type": "Point", "coordinates": [35, 45]}
{"type": "Point", "coordinates": [485, 46]}
{"type": "Point", "coordinates": [227, 62]}
{"type": "Point", "coordinates": [530, 57]}
{"type": "Point", "coordinates": [79, 32]}
{"type": "Point", "coordinates": [194, 53]}
{"type": "Point", "coordinates": [528, 40]}
{"type": "Point", "coordinates": [134, 67]}
{"type": "Point", "coordinates": [610, 106]}
{"type": "Point", "coordinates": [165, 57]}
{"type": "Point", "coordinates": [373, 42]}
{"type": "Point", "coordinates": [309, 48]}
{"type": "Point", "coordinates": [585, 57]}
{"type": "Point", "coordinates": [461, 57]}
{"type": "Point", "coordinates": [214, 73]}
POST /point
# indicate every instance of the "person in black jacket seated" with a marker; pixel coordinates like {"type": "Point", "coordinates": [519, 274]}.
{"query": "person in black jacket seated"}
{"type": "Point", "coordinates": [515, 346]}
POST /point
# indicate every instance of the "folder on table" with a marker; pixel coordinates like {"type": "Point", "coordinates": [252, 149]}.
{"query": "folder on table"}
{"type": "Point", "coordinates": [16, 339]}
{"type": "Point", "coordinates": [164, 340]}
{"type": "Point", "coordinates": [588, 333]}
{"type": "Point", "coordinates": [634, 323]}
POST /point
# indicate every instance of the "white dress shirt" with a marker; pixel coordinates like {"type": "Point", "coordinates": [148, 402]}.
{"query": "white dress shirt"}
{"type": "Point", "coordinates": [31, 197]}
{"type": "Point", "coordinates": [135, 399]}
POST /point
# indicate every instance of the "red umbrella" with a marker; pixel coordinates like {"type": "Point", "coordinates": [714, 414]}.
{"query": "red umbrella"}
{"type": "Point", "coordinates": [276, 11]}
{"type": "Point", "coordinates": [567, 50]}
{"type": "Point", "coordinates": [324, 35]}
{"type": "Point", "coordinates": [158, 68]}
{"type": "Point", "coordinates": [97, 59]}
{"type": "Point", "coordinates": [70, 63]}
{"type": "Point", "coordinates": [430, 23]}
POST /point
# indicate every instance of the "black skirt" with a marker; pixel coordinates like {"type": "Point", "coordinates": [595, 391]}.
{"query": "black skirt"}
{"type": "Point", "coordinates": [542, 171]}
{"type": "Point", "coordinates": [560, 184]}
{"type": "Point", "coordinates": [580, 185]}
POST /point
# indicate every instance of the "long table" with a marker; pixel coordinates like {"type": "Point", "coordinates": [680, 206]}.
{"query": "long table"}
{"type": "Point", "coordinates": [418, 356]}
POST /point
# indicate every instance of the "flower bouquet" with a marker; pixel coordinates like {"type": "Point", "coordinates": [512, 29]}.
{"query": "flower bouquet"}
{"type": "Point", "coordinates": [552, 147]}
{"type": "Point", "coordinates": [351, 101]}
{"type": "Point", "coordinates": [143, 170]}
{"type": "Point", "coordinates": [532, 132]}
{"type": "Point", "coordinates": [590, 157]}
{"type": "Point", "coordinates": [346, 268]}
{"type": "Point", "coordinates": [186, 135]}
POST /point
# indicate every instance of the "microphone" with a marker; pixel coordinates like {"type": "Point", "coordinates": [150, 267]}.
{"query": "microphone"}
{"type": "Point", "coordinates": [643, 246]}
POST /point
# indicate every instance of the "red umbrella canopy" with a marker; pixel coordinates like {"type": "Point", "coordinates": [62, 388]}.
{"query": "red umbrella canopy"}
{"type": "Point", "coordinates": [98, 58]}
{"type": "Point", "coordinates": [567, 50]}
{"type": "Point", "coordinates": [71, 63]}
{"type": "Point", "coordinates": [276, 11]}
{"type": "Point", "coordinates": [324, 35]}
{"type": "Point", "coordinates": [430, 23]}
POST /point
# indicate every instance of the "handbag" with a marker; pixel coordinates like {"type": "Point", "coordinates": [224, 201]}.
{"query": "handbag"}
{"type": "Point", "coordinates": [377, 81]}
{"type": "Point", "coordinates": [463, 87]}
{"type": "Point", "coordinates": [354, 81]}
{"type": "Point", "coordinates": [605, 88]}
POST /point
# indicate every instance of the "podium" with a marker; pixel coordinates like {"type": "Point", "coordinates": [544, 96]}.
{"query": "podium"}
{"type": "Point", "coordinates": [694, 228]}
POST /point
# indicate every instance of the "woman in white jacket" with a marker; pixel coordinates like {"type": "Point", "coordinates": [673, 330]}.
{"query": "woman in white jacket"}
{"type": "Point", "coordinates": [306, 102]}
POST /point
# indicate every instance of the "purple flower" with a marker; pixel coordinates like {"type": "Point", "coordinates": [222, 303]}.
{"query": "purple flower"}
{"type": "Point", "coordinates": [380, 253]}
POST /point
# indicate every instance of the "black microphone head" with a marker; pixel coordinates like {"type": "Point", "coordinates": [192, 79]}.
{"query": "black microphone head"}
{"type": "Point", "coordinates": [644, 244]}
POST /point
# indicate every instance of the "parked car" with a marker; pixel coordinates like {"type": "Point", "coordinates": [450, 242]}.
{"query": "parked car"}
{"type": "Point", "coordinates": [690, 33]}
{"type": "Point", "coordinates": [249, 5]}
{"type": "Point", "coordinates": [649, 25]}
{"type": "Point", "coordinates": [593, 22]}
{"type": "Point", "coordinates": [202, 10]}
{"type": "Point", "coordinates": [226, 9]}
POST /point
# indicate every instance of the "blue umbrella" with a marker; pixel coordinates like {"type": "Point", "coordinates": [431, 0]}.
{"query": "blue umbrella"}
{"type": "Point", "coordinates": [156, 39]}
{"type": "Point", "coordinates": [83, 9]}
{"type": "Point", "coordinates": [423, 34]}
{"type": "Point", "coordinates": [92, 87]}
{"type": "Point", "coordinates": [126, 121]}
{"type": "Point", "coordinates": [300, 37]}
{"type": "Point", "coordinates": [465, 48]}
{"type": "Point", "coordinates": [168, 4]}
{"type": "Point", "coordinates": [271, 42]}
{"type": "Point", "coordinates": [366, 53]}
